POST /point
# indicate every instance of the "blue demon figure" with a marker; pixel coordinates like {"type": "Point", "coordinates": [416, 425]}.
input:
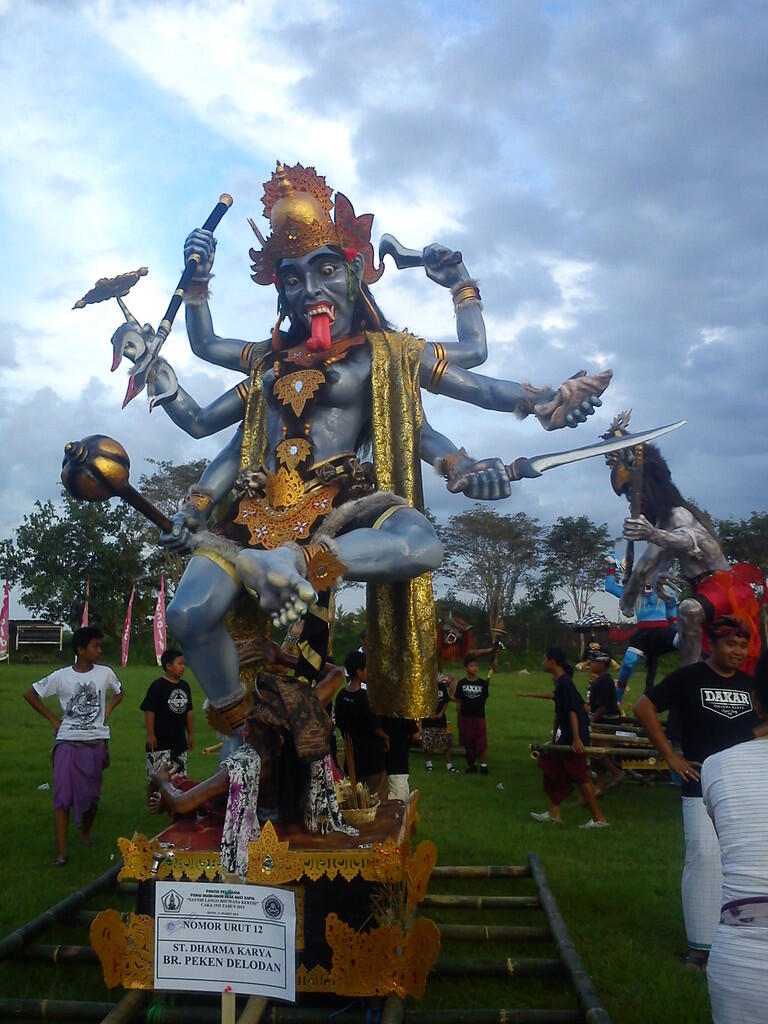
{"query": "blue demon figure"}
{"type": "Point", "coordinates": [656, 632]}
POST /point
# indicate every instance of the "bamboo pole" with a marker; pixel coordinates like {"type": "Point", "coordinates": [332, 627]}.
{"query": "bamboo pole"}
{"type": "Point", "coordinates": [495, 932]}
{"type": "Point", "coordinates": [73, 1010]}
{"type": "Point", "coordinates": [21, 936]}
{"type": "Point", "coordinates": [393, 1010]}
{"type": "Point", "coordinates": [494, 1017]}
{"type": "Point", "coordinates": [635, 753]}
{"type": "Point", "coordinates": [58, 954]}
{"type": "Point", "coordinates": [503, 968]}
{"type": "Point", "coordinates": [480, 902]}
{"type": "Point", "coordinates": [611, 727]}
{"type": "Point", "coordinates": [630, 742]}
{"type": "Point", "coordinates": [84, 917]}
{"type": "Point", "coordinates": [481, 871]}
{"type": "Point", "coordinates": [296, 1015]}
{"type": "Point", "coordinates": [130, 1008]}
{"type": "Point", "coordinates": [53, 1009]}
{"type": "Point", "coordinates": [594, 1011]}
{"type": "Point", "coordinates": [253, 1010]}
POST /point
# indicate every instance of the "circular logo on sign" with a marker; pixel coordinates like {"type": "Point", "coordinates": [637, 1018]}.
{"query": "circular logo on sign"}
{"type": "Point", "coordinates": [273, 907]}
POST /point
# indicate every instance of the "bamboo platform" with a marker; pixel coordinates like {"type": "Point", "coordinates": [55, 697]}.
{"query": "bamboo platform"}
{"type": "Point", "coordinates": [478, 921]}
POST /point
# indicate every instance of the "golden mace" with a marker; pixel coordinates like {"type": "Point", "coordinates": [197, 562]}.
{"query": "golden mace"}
{"type": "Point", "coordinates": [97, 469]}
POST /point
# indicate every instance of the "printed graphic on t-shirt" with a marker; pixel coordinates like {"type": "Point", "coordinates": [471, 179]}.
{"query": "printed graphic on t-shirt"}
{"type": "Point", "coordinates": [728, 703]}
{"type": "Point", "coordinates": [471, 690]}
{"type": "Point", "coordinates": [83, 707]}
{"type": "Point", "coordinates": [177, 701]}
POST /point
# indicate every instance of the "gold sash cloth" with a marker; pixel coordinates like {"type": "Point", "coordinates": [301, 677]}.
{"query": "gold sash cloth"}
{"type": "Point", "coordinates": [401, 627]}
{"type": "Point", "coordinates": [401, 630]}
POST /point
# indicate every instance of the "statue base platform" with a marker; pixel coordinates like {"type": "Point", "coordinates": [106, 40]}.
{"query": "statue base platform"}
{"type": "Point", "coordinates": [356, 897]}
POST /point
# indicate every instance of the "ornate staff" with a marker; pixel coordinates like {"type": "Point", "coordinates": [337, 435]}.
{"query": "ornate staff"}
{"type": "Point", "coordinates": [117, 287]}
{"type": "Point", "coordinates": [635, 506]}
{"type": "Point", "coordinates": [97, 469]}
{"type": "Point", "coordinates": [497, 632]}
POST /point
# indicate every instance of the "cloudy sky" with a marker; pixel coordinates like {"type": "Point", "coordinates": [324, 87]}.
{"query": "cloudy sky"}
{"type": "Point", "coordinates": [602, 166]}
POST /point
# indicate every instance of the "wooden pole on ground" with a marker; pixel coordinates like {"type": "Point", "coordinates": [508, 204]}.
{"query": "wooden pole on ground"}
{"type": "Point", "coordinates": [130, 1008]}
{"type": "Point", "coordinates": [393, 1010]}
{"type": "Point", "coordinates": [495, 932]}
{"type": "Point", "coordinates": [480, 902]}
{"type": "Point", "coordinates": [58, 954]}
{"type": "Point", "coordinates": [634, 753]}
{"type": "Point", "coordinates": [481, 871]}
{"type": "Point", "coordinates": [21, 936]}
{"type": "Point", "coordinates": [508, 967]}
{"type": "Point", "coordinates": [253, 1010]}
{"type": "Point", "coordinates": [296, 1015]}
{"type": "Point", "coordinates": [495, 1017]}
{"type": "Point", "coordinates": [594, 1011]}
{"type": "Point", "coordinates": [53, 1009]}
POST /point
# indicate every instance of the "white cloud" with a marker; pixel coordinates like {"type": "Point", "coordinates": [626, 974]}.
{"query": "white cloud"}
{"type": "Point", "coordinates": [604, 175]}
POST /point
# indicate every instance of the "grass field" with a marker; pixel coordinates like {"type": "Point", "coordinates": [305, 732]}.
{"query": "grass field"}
{"type": "Point", "coordinates": [618, 888]}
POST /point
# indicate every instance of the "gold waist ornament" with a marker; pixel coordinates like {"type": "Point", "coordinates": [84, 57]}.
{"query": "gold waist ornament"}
{"type": "Point", "coordinates": [271, 526]}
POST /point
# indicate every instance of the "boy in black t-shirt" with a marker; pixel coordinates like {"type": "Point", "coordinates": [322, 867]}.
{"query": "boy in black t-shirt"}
{"type": "Point", "coordinates": [435, 735]}
{"type": "Point", "coordinates": [168, 719]}
{"type": "Point", "coordinates": [714, 701]}
{"type": "Point", "coordinates": [570, 728]}
{"type": "Point", "coordinates": [355, 719]}
{"type": "Point", "coordinates": [470, 694]}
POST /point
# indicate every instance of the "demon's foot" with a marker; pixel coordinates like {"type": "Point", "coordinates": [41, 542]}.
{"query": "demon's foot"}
{"type": "Point", "coordinates": [275, 577]}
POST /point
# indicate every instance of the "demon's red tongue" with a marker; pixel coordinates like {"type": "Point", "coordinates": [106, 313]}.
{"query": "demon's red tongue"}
{"type": "Point", "coordinates": [320, 340]}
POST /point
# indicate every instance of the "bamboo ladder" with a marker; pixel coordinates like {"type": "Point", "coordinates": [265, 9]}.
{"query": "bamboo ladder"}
{"type": "Point", "coordinates": [561, 969]}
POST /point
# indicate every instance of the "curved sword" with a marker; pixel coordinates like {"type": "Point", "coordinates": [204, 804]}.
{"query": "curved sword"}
{"type": "Point", "coordinates": [530, 468]}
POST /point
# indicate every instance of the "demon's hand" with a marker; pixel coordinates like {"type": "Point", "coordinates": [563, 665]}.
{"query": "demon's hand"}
{"type": "Point", "coordinates": [486, 480]}
{"type": "Point", "coordinates": [575, 400]}
{"type": "Point", "coordinates": [443, 265]}
{"type": "Point", "coordinates": [638, 528]}
{"type": "Point", "coordinates": [200, 243]}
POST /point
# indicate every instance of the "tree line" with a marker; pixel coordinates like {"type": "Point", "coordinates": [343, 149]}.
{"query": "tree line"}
{"type": "Point", "coordinates": [510, 566]}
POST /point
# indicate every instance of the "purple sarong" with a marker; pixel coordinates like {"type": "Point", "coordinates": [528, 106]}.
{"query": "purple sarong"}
{"type": "Point", "coordinates": [77, 771]}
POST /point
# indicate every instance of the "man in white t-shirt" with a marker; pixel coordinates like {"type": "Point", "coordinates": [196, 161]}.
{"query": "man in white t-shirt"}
{"type": "Point", "coordinates": [80, 749]}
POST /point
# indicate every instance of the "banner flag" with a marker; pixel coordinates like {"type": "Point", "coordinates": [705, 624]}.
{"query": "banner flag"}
{"type": "Point", "coordinates": [127, 629]}
{"type": "Point", "coordinates": [4, 624]}
{"type": "Point", "coordinates": [159, 621]}
{"type": "Point", "coordinates": [84, 620]}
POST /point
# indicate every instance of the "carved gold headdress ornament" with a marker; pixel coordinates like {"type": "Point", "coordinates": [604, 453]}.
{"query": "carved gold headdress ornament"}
{"type": "Point", "coordinates": [621, 462]}
{"type": "Point", "coordinates": [298, 203]}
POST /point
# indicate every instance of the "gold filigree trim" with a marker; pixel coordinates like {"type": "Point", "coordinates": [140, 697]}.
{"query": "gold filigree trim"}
{"type": "Point", "coordinates": [318, 979]}
{"type": "Point", "coordinates": [125, 946]}
{"type": "Point", "coordinates": [382, 961]}
{"type": "Point", "coordinates": [298, 388]}
{"type": "Point", "coordinates": [324, 568]}
{"type": "Point", "coordinates": [284, 489]}
{"type": "Point", "coordinates": [292, 451]}
{"type": "Point", "coordinates": [270, 527]}
{"type": "Point", "coordinates": [139, 853]}
{"type": "Point", "coordinates": [272, 861]}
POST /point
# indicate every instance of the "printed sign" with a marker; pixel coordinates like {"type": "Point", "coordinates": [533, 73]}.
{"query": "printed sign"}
{"type": "Point", "coordinates": [217, 938]}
